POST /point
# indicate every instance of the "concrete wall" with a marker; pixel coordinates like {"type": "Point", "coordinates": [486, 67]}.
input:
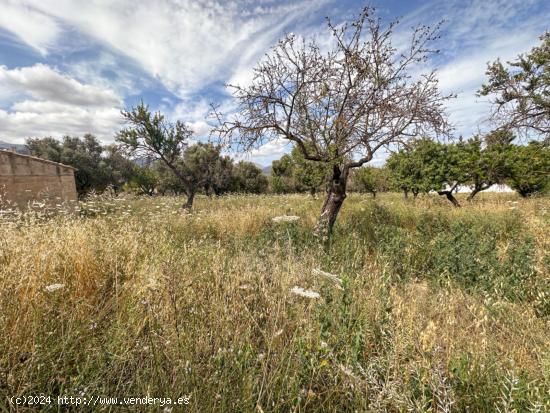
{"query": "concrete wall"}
{"type": "Point", "coordinates": [25, 178]}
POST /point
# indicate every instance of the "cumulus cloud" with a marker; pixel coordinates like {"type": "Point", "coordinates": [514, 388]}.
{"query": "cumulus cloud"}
{"type": "Point", "coordinates": [42, 82]}
{"type": "Point", "coordinates": [48, 103]}
{"type": "Point", "coordinates": [58, 120]}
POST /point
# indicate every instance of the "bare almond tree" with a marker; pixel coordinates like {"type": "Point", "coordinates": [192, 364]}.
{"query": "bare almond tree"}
{"type": "Point", "coordinates": [340, 106]}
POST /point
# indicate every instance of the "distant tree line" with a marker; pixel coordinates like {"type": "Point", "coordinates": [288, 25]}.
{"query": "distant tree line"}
{"type": "Point", "coordinates": [478, 163]}
{"type": "Point", "coordinates": [202, 169]}
{"type": "Point", "coordinates": [428, 166]}
{"type": "Point", "coordinates": [421, 167]}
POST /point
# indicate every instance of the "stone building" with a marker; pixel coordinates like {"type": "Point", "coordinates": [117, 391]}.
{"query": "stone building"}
{"type": "Point", "coordinates": [25, 178]}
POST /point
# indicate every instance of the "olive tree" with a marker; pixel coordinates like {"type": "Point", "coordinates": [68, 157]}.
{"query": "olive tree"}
{"type": "Point", "coordinates": [248, 178]}
{"type": "Point", "coordinates": [520, 91]}
{"type": "Point", "coordinates": [294, 173]}
{"type": "Point", "coordinates": [152, 135]}
{"type": "Point", "coordinates": [340, 106]}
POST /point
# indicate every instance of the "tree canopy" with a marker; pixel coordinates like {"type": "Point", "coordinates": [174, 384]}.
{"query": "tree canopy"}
{"type": "Point", "coordinates": [294, 173]}
{"type": "Point", "coordinates": [151, 134]}
{"type": "Point", "coordinates": [340, 106]}
{"type": "Point", "coordinates": [98, 167]}
{"type": "Point", "coordinates": [249, 178]}
{"type": "Point", "coordinates": [487, 160]}
{"type": "Point", "coordinates": [371, 179]}
{"type": "Point", "coordinates": [530, 168]}
{"type": "Point", "coordinates": [520, 91]}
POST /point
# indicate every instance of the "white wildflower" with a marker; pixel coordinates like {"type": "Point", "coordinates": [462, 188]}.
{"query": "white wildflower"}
{"type": "Point", "coordinates": [54, 287]}
{"type": "Point", "coordinates": [328, 276]}
{"type": "Point", "coordinates": [304, 293]}
{"type": "Point", "coordinates": [285, 218]}
{"type": "Point", "coordinates": [347, 371]}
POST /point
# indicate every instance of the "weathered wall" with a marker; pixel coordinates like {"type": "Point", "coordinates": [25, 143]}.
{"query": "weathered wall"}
{"type": "Point", "coordinates": [25, 178]}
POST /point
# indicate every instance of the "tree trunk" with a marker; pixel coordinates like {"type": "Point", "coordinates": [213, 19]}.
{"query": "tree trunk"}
{"type": "Point", "coordinates": [450, 197]}
{"type": "Point", "coordinates": [476, 190]}
{"type": "Point", "coordinates": [312, 192]}
{"type": "Point", "coordinates": [189, 203]}
{"type": "Point", "coordinates": [333, 202]}
{"type": "Point", "coordinates": [415, 193]}
{"type": "Point", "coordinates": [473, 193]}
{"type": "Point", "coordinates": [405, 193]}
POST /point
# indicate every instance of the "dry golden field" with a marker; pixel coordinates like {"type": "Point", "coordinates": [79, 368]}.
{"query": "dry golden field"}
{"type": "Point", "coordinates": [428, 309]}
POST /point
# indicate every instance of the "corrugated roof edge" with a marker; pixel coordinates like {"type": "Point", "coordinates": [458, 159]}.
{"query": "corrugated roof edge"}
{"type": "Point", "coordinates": [34, 158]}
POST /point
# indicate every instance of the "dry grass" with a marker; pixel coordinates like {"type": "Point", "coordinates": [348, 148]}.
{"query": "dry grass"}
{"type": "Point", "coordinates": [440, 310]}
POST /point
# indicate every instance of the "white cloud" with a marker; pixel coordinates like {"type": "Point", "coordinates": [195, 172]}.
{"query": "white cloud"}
{"type": "Point", "coordinates": [266, 153]}
{"type": "Point", "coordinates": [31, 26]}
{"type": "Point", "coordinates": [53, 119]}
{"type": "Point", "coordinates": [474, 34]}
{"type": "Point", "coordinates": [107, 71]}
{"type": "Point", "coordinates": [186, 44]}
{"type": "Point", "coordinates": [200, 128]}
{"type": "Point", "coordinates": [274, 148]}
{"type": "Point", "coordinates": [42, 82]}
{"type": "Point", "coordinates": [48, 103]}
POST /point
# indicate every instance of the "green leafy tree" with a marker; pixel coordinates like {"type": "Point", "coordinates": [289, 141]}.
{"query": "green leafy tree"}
{"type": "Point", "coordinates": [46, 148]}
{"type": "Point", "coordinates": [168, 182]}
{"type": "Point", "coordinates": [248, 178]}
{"type": "Point", "coordinates": [151, 135]}
{"type": "Point", "coordinates": [294, 173]}
{"type": "Point", "coordinates": [530, 169]}
{"type": "Point", "coordinates": [204, 169]}
{"type": "Point", "coordinates": [200, 169]}
{"type": "Point", "coordinates": [97, 167]}
{"type": "Point", "coordinates": [521, 90]}
{"type": "Point", "coordinates": [487, 160]}
{"type": "Point", "coordinates": [372, 180]}
{"type": "Point", "coordinates": [430, 166]}
{"type": "Point", "coordinates": [119, 169]}
{"type": "Point", "coordinates": [405, 171]}
{"type": "Point", "coordinates": [145, 180]}
{"type": "Point", "coordinates": [308, 175]}
{"type": "Point", "coordinates": [220, 180]}
{"type": "Point", "coordinates": [282, 175]}
{"type": "Point", "coordinates": [443, 167]}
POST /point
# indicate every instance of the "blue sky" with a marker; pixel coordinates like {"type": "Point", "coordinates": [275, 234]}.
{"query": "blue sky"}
{"type": "Point", "coordinates": [70, 66]}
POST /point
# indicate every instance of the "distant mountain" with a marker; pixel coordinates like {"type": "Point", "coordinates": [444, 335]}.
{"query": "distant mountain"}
{"type": "Point", "coordinates": [14, 146]}
{"type": "Point", "coordinates": [265, 169]}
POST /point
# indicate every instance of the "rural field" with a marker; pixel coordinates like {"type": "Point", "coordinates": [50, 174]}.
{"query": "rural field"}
{"type": "Point", "coordinates": [411, 305]}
